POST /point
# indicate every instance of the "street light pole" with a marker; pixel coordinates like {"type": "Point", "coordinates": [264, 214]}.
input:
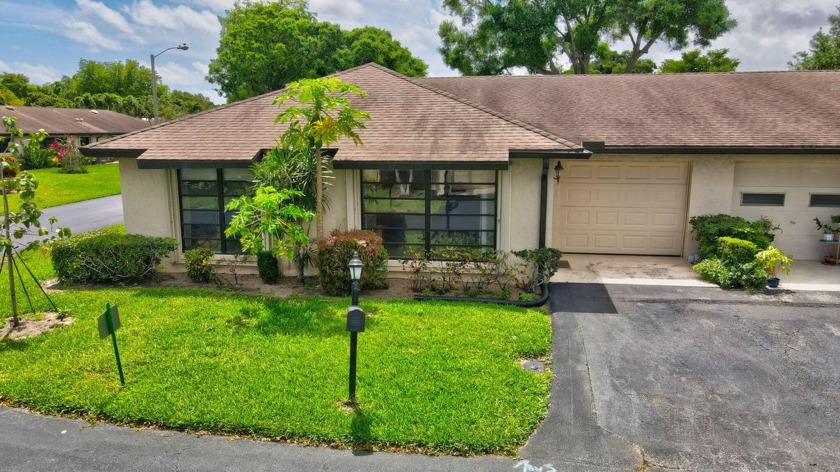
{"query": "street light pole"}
{"type": "Point", "coordinates": [182, 47]}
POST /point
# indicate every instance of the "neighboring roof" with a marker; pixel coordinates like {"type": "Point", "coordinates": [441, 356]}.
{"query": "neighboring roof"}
{"type": "Point", "coordinates": [72, 121]}
{"type": "Point", "coordinates": [750, 110]}
{"type": "Point", "coordinates": [410, 123]}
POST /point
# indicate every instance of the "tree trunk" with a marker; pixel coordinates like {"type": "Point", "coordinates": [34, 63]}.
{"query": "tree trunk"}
{"type": "Point", "coordinates": [319, 194]}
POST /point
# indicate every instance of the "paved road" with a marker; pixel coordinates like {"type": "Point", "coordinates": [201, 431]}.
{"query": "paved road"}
{"type": "Point", "coordinates": [83, 216]}
{"type": "Point", "coordinates": [645, 378]}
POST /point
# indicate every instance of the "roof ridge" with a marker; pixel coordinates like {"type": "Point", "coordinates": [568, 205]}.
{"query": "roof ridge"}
{"type": "Point", "coordinates": [489, 111]}
{"type": "Point", "coordinates": [656, 74]}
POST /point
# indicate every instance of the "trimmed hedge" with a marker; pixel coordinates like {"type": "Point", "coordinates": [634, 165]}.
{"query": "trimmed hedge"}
{"type": "Point", "coordinates": [335, 251]}
{"type": "Point", "coordinates": [736, 251]}
{"type": "Point", "coordinates": [106, 257]}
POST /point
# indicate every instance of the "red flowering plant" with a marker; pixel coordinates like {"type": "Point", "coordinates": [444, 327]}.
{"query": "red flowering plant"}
{"type": "Point", "coordinates": [67, 155]}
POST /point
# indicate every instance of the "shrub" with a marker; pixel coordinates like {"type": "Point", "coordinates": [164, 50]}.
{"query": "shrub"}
{"type": "Point", "coordinates": [70, 160]}
{"type": "Point", "coordinates": [268, 268]}
{"type": "Point", "coordinates": [542, 264]}
{"type": "Point", "coordinates": [335, 251]}
{"type": "Point", "coordinates": [708, 229]}
{"type": "Point", "coordinates": [734, 251]}
{"type": "Point", "coordinates": [36, 157]}
{"type": "Point", "coordinates": [711, 270]}
{"type": "Point", "coordinates": [105, 257]}
{"type": "Point", "coordinates": [736, 266]}
{"type": "Point", "coordinates": [199, 265]}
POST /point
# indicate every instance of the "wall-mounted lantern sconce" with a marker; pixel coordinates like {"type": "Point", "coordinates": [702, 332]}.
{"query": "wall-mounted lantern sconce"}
{"type": "Point", "coordinates": [558, 171]}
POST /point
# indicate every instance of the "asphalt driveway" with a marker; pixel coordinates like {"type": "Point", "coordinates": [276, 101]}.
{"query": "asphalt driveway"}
{"type": "Point", "coordinates": [692, 378]}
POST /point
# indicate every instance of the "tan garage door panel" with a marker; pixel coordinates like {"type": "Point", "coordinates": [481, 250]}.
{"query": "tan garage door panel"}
{"type": "Point", "coordinates": [621, 208]}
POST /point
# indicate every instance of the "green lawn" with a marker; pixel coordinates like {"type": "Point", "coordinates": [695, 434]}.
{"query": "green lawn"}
{"type": "Point", "coordinates": [55, 189]}
{"type": "Point", "coordinates": [433, 377]}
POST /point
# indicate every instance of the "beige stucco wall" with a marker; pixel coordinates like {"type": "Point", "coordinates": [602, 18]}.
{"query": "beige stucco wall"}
{"type": "Point", "coordinates": [520, 205]}
{"type": "Point", "coordinates": [146, 197]}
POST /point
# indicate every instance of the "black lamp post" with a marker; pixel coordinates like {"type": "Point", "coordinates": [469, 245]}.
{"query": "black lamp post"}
{"type": "Point", "coordinates": [355, 320]}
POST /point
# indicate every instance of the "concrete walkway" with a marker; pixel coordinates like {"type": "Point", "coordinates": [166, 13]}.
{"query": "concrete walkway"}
{"type": "Point", "coordinates": [83, 216]}
{"type": "Point", "coordinates": [677, 272]}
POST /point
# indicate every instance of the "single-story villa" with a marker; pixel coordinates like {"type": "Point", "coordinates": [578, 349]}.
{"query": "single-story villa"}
{"type": "Point", "coordinates": [88, 126]}
{"type": "Point", "coordinates": [474, 161]}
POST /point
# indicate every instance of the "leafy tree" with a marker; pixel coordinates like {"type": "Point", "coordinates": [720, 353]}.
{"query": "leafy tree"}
{"type": "Point", "coordinates": [825, 49]}
{"type": "Point", "coordinates": [321, 116]}
{"type": "Point", "coordinates": [608, 61]}
{"type": "Point", "coordinates": [118, 77]}
{"type": "Point", "coordinates": [7, 97]}
{"type": "Point", "coordinates": [18, 84]}
{"type": "Point", "coordinates": [537, 34]}
{"type": "Point", "coordinates": [694, 61]}
{"type": "Point", "coordinates": [269, 213]}
{"type": "Point", "coordinates": [264, 46]}
{"type": "Point", "coordinates": [41, 99]}
{"type": "Point", "coordinates": [17, 224]}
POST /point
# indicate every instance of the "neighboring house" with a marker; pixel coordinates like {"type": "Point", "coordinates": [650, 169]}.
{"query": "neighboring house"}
{"type": "Point", "coordinates": [472, 161]}
{"type": "Point", "coordinates": [89, 126]}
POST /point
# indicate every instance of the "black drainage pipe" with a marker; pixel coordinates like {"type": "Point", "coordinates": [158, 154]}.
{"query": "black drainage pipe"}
{"type": "Point", "coordinates": [526, 304]}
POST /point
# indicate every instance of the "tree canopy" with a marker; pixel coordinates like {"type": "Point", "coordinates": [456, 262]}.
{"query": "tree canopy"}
{"type": "Point", "coordinates": [538, 35]}
{"type": "Point", "coordinates": [714, 60]}
{"type": "Point", "coordinates": [264, 46]}
{"type": "Point", "coordinates": [824, 53]}
{"type": "Point", "coordinates": [121, 86]}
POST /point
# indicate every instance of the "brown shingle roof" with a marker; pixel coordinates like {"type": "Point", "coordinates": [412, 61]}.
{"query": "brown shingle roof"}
{"type": "Point", "coordinates": [749, 110]}
{"type": "Point", "coordinates": [409, 122]}
{"type": "Point", "coordinates": [72, 121]}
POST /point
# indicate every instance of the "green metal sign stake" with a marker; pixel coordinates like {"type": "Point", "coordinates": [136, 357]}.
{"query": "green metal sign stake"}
{"type": "Point", "coordinates": [112, 322]}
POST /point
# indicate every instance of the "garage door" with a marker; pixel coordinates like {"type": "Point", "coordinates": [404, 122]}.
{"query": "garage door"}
{"type": "Point", "coordinates": [621, 208]}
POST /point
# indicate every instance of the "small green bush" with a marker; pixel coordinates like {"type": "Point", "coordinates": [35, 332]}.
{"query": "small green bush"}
{"type": "Point", "coordinates": [708, 229]}
{"type": "Point", "coordinates": [199, 265]}
{"type": "Point", "coordinates": [734, 251]}
{"type": "Point", "coordinates": [542, 264]}
{"type": "Point", "coordinates": [268, 268]}
{"type": "Point", "coordinates": [711, 270]}
{"type": "Point", "coordinates": [335, 251]}
{"type": "Point", "coordinates": [107, 257]}
{"type": "Point", "coordinates": [737, 266]}
{"type": "Point", "coordinates": [36, 157]}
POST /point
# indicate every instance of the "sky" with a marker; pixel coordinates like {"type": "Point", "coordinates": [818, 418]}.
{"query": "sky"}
{"type": "Point", "coordinates": [46, 39]}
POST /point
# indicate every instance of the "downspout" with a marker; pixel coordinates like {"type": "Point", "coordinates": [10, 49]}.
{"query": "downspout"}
{"type": "Point", "coordinates": [541, 244]}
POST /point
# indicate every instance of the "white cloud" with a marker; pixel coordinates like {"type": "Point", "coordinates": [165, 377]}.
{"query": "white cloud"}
{"type": "Point", "coordinates": [180, 76]}
{"type": "Point", "coordinates": [343, 12]}
{"type": "Point", "coordinates": [88, 34]}
{"type": "Point", "coordinates": [180, 18]}
{"type": "Point", "coordinates": [109, 16]}
{"type": "Point", "coordinates": [217, 5]}
{"type": "Point", "coordinates": [37, 73]}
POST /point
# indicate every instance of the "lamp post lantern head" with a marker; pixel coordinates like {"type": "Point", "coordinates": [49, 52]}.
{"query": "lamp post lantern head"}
{"type": "Point", "coordinates": [355, 267]}
{"type": "Point", "coordinates": [558, 171]}
{"type": "Point", "coordinates": [183, 47]}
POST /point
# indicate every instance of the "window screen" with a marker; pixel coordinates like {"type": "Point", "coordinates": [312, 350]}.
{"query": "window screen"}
{"type": "Point", "coordinates": [417, 211]}
{"type": "Point", "coordinates": [762, 199]}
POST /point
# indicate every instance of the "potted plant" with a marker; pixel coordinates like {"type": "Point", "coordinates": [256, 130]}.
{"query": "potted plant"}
{"type": "Point", "coordinates": [774, 260]}
{"type": "Point", "coordinates": [829, 228]}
